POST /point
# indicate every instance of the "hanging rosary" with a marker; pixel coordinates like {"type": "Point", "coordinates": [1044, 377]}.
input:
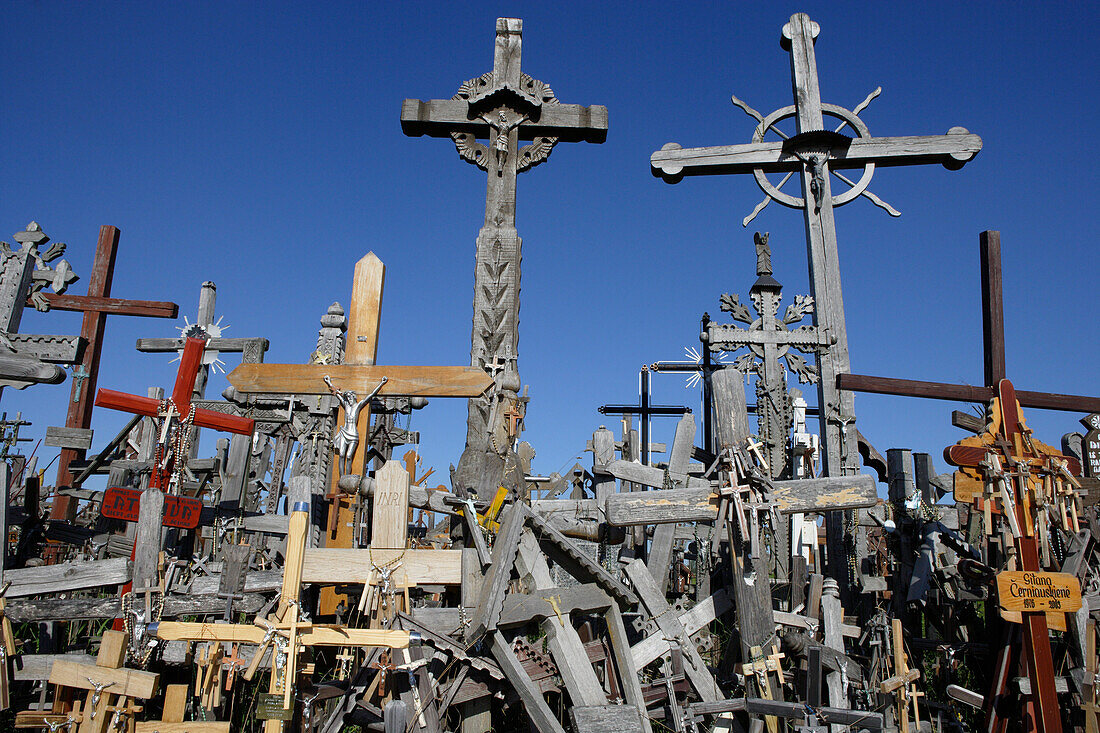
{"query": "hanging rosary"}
{"type": "Point", "coordinates": [174, 446]}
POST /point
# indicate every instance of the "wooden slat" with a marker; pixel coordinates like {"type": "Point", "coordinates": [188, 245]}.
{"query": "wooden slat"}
{"type": "Point", "coordinates": [128, 682]}
{"type": "Point", "coordinates": [696, 505]}
{"type": "Point", "coordinates": [770, 156]}
{"type": "Point", "coordinates": [418, 567]}
{"type": "Point", "coordinates": [150, 407]}
{"type": "Point", "coordinates": [963, 392]}
{"type": "Point", "coordinates": [117, 306]}
{"type": "Point", "coordinates": [308, 635]}
{"type": "Point", "coordinates": [67, 576]}
{"type": "Point", "coordinates": [190, 726]}
{"type": "Point", "coordinates": [417, 381]}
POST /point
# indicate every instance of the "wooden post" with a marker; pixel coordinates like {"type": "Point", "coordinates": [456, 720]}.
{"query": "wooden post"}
{"type": "Point", "coordinates": [96, 306]}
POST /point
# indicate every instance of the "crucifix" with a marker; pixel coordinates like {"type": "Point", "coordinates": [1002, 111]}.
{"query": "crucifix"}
{"type": "Point", "coordinates": [96, 306]}
{"type": "Point", "coordinates": [818, 155]}
{"type": "Point", "coordinates": [504, 106]}
{"type": "Point", "coordinates": [1026, 463]}
{"type": "Point", "coordinates": [357, 373]}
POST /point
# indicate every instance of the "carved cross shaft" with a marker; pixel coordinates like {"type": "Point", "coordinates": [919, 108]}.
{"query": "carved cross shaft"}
{"type": "Point", "coordinates": [504, 107]}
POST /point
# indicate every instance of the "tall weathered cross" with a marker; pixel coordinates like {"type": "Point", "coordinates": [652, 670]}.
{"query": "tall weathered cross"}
{"type": "Point", "coordinates": [818, 154]}
{"type": "Point", "coordinates": [504, 107]}
{"type": "Point", "coordinates": [96, 306]}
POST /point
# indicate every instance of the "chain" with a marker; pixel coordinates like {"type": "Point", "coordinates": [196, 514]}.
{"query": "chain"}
{"type": "Point", "coordinates": [178, 443]}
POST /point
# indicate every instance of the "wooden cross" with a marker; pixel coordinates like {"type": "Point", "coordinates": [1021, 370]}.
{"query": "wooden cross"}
{"type": "Point", "coordinates": [1016, 444]}
{"type": "Point", "coordinates": [770, 340]}
{"type": "Point", "coordinates": [179, 404]}
{"type": "Point", "coordinates": [818, 155]}
{"type": "Point", "coordinates": [503, 106]}
{"type": "Point", "coordinates": [96, 306]}
{"type": "Point", "coordinates": [993, 350]}
{"type": "Point", "coordinates": [360, 374]}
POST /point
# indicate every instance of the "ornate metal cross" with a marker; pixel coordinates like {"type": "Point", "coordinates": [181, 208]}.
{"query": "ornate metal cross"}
{"type": "Point", "coordinates": [504, 107]}
{"type": "Point", "coordinates": [818, 154]}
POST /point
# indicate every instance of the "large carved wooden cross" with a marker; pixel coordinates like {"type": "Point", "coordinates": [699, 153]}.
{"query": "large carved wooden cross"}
{"type": "Point", "coordinates": [504, 107]}
{"type": "Point", "coordinates": [96, 306]}
{"type": "Point", "coordinates": [818, 154]}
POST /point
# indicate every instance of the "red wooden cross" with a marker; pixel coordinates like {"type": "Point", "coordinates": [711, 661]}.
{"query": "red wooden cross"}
{"type": "Point", "coordinates": [96, 306]}
{"type": "Point", "coordinates": [180, 402]}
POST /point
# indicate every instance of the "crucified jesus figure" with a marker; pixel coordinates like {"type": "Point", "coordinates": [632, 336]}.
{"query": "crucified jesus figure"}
{"type": "Point", "coordinates": [346, 439]}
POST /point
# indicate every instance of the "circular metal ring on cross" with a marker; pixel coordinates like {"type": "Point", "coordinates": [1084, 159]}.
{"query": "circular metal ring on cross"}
{"type": "Point", "coordinates": [798, 202]}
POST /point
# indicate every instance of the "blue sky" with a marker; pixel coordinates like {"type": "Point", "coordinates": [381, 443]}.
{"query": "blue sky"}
{"type": "Point", "coordinates": [259, 146]}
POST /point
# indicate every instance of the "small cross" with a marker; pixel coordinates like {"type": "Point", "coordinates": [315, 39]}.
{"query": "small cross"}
{"type": "Point", "coordinates": [79, 375]}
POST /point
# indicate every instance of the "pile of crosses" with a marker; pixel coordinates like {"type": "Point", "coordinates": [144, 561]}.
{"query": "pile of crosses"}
{"type": "Point", "coordinates": [753, 580]}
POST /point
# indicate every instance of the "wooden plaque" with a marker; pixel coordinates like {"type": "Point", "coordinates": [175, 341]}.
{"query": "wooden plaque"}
{"type": "Point", "coordinates": [179, 511]}
{"type": "Point", "coordinates": [1032, 591]}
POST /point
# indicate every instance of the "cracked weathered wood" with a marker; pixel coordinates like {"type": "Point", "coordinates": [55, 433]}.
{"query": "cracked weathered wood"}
{"type": "Point", "coordinates": [495, 585]}
{"type": "Point", "coordinates": [533, 702]}
{"type": "Point", "coordinates": [701, 504]}
{"type": "Point", "coordinates": [659, 559]}
{"type": "Point", "coordinates": [70, 609]}
{"type": "Point", "coordinates": [657, 607]}
{"type": "Point", "coordinates": [694, 619]}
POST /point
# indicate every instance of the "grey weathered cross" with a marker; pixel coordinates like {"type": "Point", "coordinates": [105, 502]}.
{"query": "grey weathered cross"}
{"type": "Point", "coordinates": [817, 154]}
{"type": "Point", "coordinates": [770, 340]}
{"type": "Point", "coordinates": [504, 107]}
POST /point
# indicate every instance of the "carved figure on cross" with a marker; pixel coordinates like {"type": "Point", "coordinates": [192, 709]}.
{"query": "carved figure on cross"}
{"type": "Point", "coordinates": [503, 107]}
{"type": "Point", "coordinates": [346, 440]}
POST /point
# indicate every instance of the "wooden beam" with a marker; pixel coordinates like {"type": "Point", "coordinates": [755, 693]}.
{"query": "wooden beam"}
{"type": "Point", "coordinates": [307, 635]}
{"type": "Point", "coordinates": [411, 381]}
{"type": "Point", "coordinates": [418, 567]}
{"type": "Point", "coordinates": [963, 393]}
{"type": "Point", "coordinates": [117, 306]}
{"type": "Point", "coordinates": [128, 682]}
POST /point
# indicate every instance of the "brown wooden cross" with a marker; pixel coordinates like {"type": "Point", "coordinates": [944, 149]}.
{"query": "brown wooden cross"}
{"type": "Point", "coordinates": [96, 306]}
{"type": "Point", "coordinates": [1018, 452]}
{"type": "Point", "coordinates": [993, 338]}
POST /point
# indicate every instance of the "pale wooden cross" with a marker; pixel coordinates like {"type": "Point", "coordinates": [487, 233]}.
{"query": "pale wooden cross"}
{"type": "Point", "coordinates": [359, 373]}
{"type": "Point", "coordinates": [817, 154]}
{"type": "Point", "coordinates": [503, 106]}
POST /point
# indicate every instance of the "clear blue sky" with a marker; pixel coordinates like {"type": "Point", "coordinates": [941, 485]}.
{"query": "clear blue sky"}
{"type": "Point", "coordinates": [258, 145]}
